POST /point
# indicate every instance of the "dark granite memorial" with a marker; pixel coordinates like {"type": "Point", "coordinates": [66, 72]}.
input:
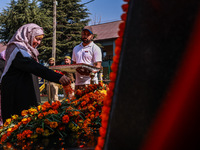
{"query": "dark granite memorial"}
{"type": "Point", "coordinates": [155, 39]}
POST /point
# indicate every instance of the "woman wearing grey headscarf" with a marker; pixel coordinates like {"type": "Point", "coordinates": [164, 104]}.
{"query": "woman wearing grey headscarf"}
{"type": "Point", "coordinates": [19, 81]}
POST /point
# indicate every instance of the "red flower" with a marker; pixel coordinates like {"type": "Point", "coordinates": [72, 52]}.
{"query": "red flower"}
{"type": "Point", "coordinates": [55, 105]}
{"type": "Point", "coordinates": [65, 119]}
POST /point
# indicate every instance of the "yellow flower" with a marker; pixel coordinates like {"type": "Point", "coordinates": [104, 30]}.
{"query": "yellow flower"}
{"type": "Point", "coordinates": [71, 125]}
{"type": "Point", "coordinates": [103, 92]}
{"type": "Point", "coordinates": [34, 136]}
{"type": "Point", "coordinates": [75, 128]}
{"type": "Point", "coordinates": [32, 111]}
{"type": "Point", "coordinates": [14, 117]}
{"type": "Point", "coordinates": [26, 120]}
{"type": "Point", "coordinates": [24, 112]}
{"type": "Point", "coordinates": [9, 129]}
{"type": "Point", "coordinates": [39, 107]}
{"type": "Point", "coordinates": [7, 122]}
{"type": "Point", "coordinates": [46, 132]}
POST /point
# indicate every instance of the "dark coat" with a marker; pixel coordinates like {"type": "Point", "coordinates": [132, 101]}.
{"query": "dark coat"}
{"type": "Point", "coordinates": [2, 64]}
{"type": "Point", "coordinates": [20, 89]}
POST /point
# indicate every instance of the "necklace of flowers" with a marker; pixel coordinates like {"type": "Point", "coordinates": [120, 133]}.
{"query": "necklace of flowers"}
{"type": "Point", "coordinates": [113, 75]}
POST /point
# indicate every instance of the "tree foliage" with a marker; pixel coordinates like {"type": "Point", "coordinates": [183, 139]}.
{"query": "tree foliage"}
{"type": "Point", "coordinates": [71, 17]}
{"type": "Point", "coordinates": [19, 13]}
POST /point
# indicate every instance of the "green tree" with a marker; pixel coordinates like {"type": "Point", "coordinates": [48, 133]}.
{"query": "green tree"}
{"type": "Point", "coordinates": [19, 13]}
{"type": "Point", "coordinates": [71, 18]}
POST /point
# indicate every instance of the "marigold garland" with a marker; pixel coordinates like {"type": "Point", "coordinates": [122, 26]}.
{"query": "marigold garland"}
{"type": "Point", "coordinates": [113, 75]}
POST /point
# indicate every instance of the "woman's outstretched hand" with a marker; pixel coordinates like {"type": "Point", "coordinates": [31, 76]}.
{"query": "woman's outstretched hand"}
{"type": "Point", "coordinates": [64, 80]}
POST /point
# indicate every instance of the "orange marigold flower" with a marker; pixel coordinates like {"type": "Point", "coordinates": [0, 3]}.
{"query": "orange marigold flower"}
{"type": "Point", "coordinates": [86, 98]}
{"type": "Point", "coordinates": [9, 129]}
{"type": "Point", "coordinates": [110, 93]}
{"type": "Point", "coordinates": [106, 110]}
{"type": "Point", "coordinates": [32, 111]}
{"type": "Point", "coordinates": [116, 59]}
{"type": "Point", "coordinates": [117, 50]}
{"type": "Point", "coordinates": [8, 133]}
{"type": "Point", "coordinates": [78, 92]}
{"type": "Point", "coordinates": [53, 124]}
{"type": "Point", "coordinates": [98, 147]}
{"type": "Point", "coordinates": [114, 67]}
{"type": "Point", "coordinates": [101, 84]}
{"type": "Point", "coordinates": [76, 113]}
{"type": "Point", "coordinates": [14, 117]}
{"type": "Point", "coordinates": [9, 145]}
{"type": "Point", "coordinates": [105, 116]}
{"type": "Point", "coordinates": [65, 119]}
{"type": "Point", "coordinates": [52, 111]}
{"type": "Point", "coordinates": [19, 123]}
{"type": "Point", "coordinates": [46, 121]}
{"type": "Point", "coordinates": [39, 107]}
{"type": "Point", "coordinates": [91, 108]}
{"type": "Point", "coordinates": [45, 113]}
{"type": "Point", "coordinates": [27, 133]}
{"type": "Point", "coordinates": [97, 114]}
{"type": "Point", "coordinates": [68, 89]}
{"type": "Point", "coordinates": [101, 142]}
{"type": "Point", "coordinates": [111, 85]}
{"type": "Point", "coordinates": [104, 124]}
{"type": "Point", "coordinates": [24, 112]}
{"type": "Point", "coordinates": [70, 108]}
{"type": "Point", "coordinates": [113, 76]}
{"type": "Point", "coordinates": [107, 102]}
{"type": "Point", "coordinates": [83, 103]}
{"type": "Point", "coordinates": [40, 115]}
{"type": "Point", "coordinates": [26, 120]}
{"type": "Point", "coordinates": [55, 105]}
{"type": "Point", "coordinates": [20, 137]}
{"type": "Point", "coordinates": [45, 106]}
{"type": "Point", "coordinates": [7, 122]}
{"type": "Point", "coordinates": [87, 120]}
{"type": "Point", "coordinates": [13, 128]}
{"type": "Point", "coordinates": [102, 132]}
{"type": "Point", "coordinates": [55, 112]}
{"type": "Point", "coordinates": [39, 130]}
{"type": "Point", "coordinates": [92, 116]}
{"type": "Point", "coordinates": [3, 138]}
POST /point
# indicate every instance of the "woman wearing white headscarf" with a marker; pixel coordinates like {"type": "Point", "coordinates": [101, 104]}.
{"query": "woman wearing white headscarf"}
{"type": "Point", "coordinates": [19, 81]}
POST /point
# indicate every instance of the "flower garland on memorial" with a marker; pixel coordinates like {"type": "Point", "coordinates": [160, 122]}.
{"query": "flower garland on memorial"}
{"type": "Point", "coordinates": [70, 123]}
{"type": "Point", "coordinates": [108, 100]}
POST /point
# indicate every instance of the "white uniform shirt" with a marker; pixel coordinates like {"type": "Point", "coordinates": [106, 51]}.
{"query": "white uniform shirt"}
{"type": "Point", "coordinates": [89, 54]}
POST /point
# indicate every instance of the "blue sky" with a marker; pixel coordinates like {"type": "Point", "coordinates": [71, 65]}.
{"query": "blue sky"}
{"type": "Point", "coordinates": [101, 10]}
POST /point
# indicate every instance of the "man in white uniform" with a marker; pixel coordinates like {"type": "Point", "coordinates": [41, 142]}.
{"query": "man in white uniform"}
{"type": "Point", "coordinates": [89, 53]}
